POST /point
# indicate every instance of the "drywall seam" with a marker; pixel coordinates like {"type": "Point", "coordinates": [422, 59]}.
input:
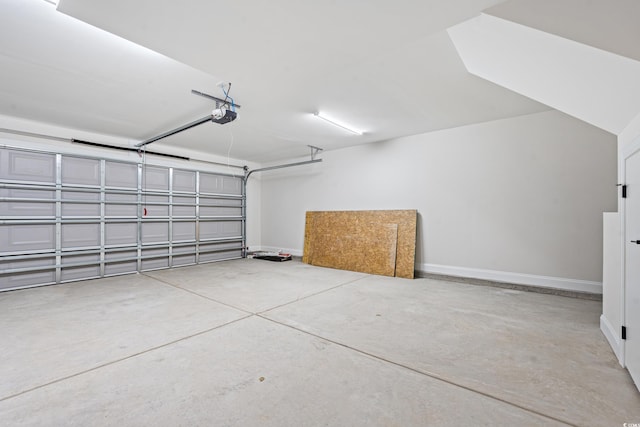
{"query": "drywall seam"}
{"type": "Point", "coordinates": [517, 278]}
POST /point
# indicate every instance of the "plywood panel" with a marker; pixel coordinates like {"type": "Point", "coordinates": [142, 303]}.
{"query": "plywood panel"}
{"type": "Point", "coordinates": [352, 248]}
{"type": "Point", "coordinates": [333, 229]}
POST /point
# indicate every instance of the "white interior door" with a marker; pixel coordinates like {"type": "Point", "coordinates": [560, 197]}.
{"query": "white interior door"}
{"type": "Point", "coordinates": [632, 266]}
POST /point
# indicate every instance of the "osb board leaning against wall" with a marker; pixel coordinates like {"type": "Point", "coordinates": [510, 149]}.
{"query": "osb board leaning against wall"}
{"type": "Point", "coordinates": [362, 241]}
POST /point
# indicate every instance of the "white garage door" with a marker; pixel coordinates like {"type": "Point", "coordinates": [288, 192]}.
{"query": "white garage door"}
{"type": "Point", "coordinates": [65, 218]}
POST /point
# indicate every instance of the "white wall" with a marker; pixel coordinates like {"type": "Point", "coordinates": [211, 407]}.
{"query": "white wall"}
{"type": "Point", "coordinates": [519, 200]}
{"type": "Point", "coordinates": [11, 139]}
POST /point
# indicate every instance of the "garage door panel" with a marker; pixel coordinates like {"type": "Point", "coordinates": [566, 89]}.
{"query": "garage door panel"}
{"type": "Point", "coordinates": [184, 260]}
{"type": "Point", "coordinates": [19, 238]}
{"type": "Point", "coordinates": [121, 175]}
{"type": "Point", "coordinates": [219, 211]}
{"type": "Point", "coordinates": [220, 229]}
{"type": "Point", "coordinates": [127, 206]}
{"type": "Point", "coordinates": [190, 249]}
{"type": "Point", "coordinates": [71, 209]}
{"type": "Point", "coordinates": [184, 211]}
{"type": "Point", "coordinates": [121, 234]}
{"type": "Point", "coordinates": [155, 178]}
{"type": "Point", "coordinates": [219, 184]}
{"type": "Point", "coordinates": [105, 217]}
{"type": "Point", "coordinates": [222, 255]}
{"type": "Point", "coordinates": [18, 165]}
{"type": "Point", "coordinates": [231, 185]}
{"type": "Point", "coordinates": [80, 235]}
{"type": "Point", "coordinates": [80, 272]}
{"type": "Point", "coordinates": [26, 208]}
{"type": "Point", "coordinates": [155, 232]}
{"type": "Point", "coordinates": [183, 255]}
{"type": "Point", "coordinates": [69, 196]}
{"type": "Point", "coordinates": [184, 231]}
{"type": "Point", "coordinates": [120, 263]}
{"type": "Point", "coordinates": [210, 201]}
{"type": "Point", "coordinates": [153, 208]}
{"type": "Point", "coordinates": [22, 280]}
{"type": "Point", "coordinates": [220, 251]}
{"type": "Point", "coordinates": [184, 181]}
{"type": "Point", "coordinates": [220, 246]}
{"type": "Point", "coordinates": [17, 280]}
{"type": "Point", "coordinates": [153, 259]}
{"type": "Point", "coordinates": [80, 210]}
{"type": "Point", "coordinates": [77, 170]}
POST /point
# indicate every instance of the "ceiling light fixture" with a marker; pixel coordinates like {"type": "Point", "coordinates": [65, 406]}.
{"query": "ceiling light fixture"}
{"type": "Point", "coordinates": [53, 2]}
{"type": "Point", "coordinates": [337, 123]}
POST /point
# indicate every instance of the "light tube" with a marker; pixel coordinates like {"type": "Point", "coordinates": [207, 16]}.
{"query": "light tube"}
{"type": "Point", "coordinates": [336, 123]}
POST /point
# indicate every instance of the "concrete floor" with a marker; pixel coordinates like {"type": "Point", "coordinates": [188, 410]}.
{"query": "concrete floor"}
{"type": "Point", "coordinates": [257, 343]}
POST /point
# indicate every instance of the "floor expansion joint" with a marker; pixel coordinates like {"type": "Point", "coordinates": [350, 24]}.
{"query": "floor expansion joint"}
{"type": "Point", "coordinates": [427, 374]}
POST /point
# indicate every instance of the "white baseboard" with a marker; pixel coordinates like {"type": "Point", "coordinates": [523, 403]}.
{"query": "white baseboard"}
{"type": "Point", "coordinates": [614, 339]}
{"type": "Point", "coordinates": [294, 252]}
{"type": "Point", "coordinates": [517, 278]}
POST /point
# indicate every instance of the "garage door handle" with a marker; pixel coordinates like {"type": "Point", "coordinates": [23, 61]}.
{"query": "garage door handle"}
{"type": "Point", "coordinates": [637, 242]}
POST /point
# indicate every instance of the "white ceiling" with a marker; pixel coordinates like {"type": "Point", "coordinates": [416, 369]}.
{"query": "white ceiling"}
{"type": "Point", "coordinates": [388, 68]}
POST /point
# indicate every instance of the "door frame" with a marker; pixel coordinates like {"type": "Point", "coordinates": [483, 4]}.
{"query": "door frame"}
{"type": "Point", "coordinates": [626, 152]}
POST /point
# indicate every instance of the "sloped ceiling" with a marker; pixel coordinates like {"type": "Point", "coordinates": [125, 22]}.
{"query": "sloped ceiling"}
{"type": "Point", "coordinates": [388, 68]}
{"type": "Point", "coordinates": [609, 25]}
{"type": "Point", "coordinates": [565, 67]}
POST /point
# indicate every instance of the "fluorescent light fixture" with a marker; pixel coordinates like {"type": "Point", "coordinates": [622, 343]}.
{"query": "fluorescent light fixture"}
{"type": "Point", "coordinates": [334, 122]}
{"type": "Point", "coordinates": [53, 2]}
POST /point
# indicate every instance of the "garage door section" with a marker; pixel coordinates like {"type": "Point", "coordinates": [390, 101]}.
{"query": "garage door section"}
{"type": "Point", "coordinates": [66, 218]}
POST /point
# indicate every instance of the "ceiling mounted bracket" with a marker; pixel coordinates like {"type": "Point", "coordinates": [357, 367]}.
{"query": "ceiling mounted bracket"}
{"type": "Point", "coordinates": [314, 151]}
{"type": "Point", "coordinates": [218, 100]}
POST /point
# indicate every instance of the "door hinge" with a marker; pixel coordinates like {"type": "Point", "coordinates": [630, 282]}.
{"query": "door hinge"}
{"type": "Point", "coordinates": [624, 332]}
